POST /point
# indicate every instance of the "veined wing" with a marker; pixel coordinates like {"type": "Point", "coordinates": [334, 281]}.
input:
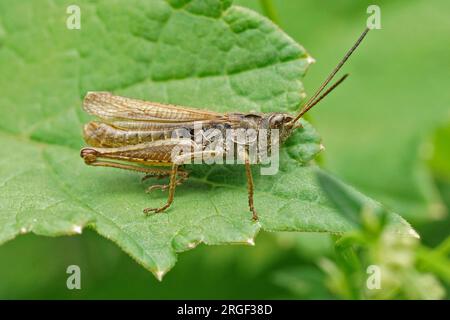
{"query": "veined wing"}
{"type": "Point", "coordinates": [131, 113]}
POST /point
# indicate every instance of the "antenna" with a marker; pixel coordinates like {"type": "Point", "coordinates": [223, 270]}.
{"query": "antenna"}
{"type": "Point", "coordinates": [312, 101]}
{"type": "Point", "coordinates": [312, 104]}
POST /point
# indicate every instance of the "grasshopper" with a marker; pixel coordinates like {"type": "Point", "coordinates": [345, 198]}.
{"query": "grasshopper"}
{"type": "Point", "coordinates": [138, 135]}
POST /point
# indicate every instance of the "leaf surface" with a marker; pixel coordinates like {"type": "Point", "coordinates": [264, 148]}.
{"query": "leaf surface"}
{"type": "Point", "coordinates": [206, 54]}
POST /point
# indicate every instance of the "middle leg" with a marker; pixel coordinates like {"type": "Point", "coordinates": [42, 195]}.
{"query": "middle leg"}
{"type": "Point", "coordinates": [183, 176]}
{"type": "Point", "coordinates": [250, 187]}
{"type": "Point", "coordinates": [172, 186]}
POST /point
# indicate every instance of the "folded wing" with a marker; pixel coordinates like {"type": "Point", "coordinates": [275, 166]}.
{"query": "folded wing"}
{"type": "Point", "coordinates": [138, 114]}
{"type": "Point", "coordinates": [126, 121]}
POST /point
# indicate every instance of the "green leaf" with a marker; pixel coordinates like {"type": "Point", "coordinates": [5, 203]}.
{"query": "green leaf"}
{"type": "Point", "coordinates": [350, 203]}
{"type": "Point", "coordinates": [375, 124]}
{"type": "Point", "coordinates": [440, 158]}
{"type": "Point", "coordinates": [206, 54]}
{"type": "Point", "coordinates": [304, 282]}
{"type": "Point", "coordinates": [309, 147]}
{"type": "Point", "coordinates": [436, 260]}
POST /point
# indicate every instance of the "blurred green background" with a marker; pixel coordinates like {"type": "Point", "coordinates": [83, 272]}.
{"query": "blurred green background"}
{"type": "Point", "coordinates": [386, 131]}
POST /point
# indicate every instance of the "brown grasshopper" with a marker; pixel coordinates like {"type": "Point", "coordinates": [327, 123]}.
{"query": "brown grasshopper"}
{"type": "Point", "coordinates": [139, 135]}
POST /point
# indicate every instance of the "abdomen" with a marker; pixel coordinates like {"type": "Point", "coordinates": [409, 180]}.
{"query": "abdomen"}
{"type": "Point", "coordinates": [99, 134]}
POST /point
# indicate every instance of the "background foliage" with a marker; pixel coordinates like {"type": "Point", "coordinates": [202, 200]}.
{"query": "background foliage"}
{"type": "Point", "coordinates": [386, 132]}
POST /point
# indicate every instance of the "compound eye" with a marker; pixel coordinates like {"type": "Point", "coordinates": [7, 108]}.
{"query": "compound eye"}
{"type": "Point", "coordinates": [277, 120]}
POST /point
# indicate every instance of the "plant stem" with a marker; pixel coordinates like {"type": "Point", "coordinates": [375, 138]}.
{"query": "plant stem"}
{"type": "Point", "coordinates": [269, 10]}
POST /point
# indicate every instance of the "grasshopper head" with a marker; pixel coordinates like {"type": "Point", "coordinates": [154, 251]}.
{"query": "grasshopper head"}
{"type": "Point", "coordinates": [282, 122]}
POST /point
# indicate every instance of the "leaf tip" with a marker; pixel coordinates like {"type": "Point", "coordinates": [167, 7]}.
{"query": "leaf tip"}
{"type": "Point", "coordinates": [303, 95]}
{"type": "Point", "coordinates": [413, 233]}
{"type": "Point", "coordinates": [159, 274]}
{"type": "Point", "coordinates": [251, 241]}
{"type": "Point", "coordinates": [191, 245]}
{"type": "Point", "coordinates": [310, 60]}
{"type": "Point", "coordinates": [77, 229]}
